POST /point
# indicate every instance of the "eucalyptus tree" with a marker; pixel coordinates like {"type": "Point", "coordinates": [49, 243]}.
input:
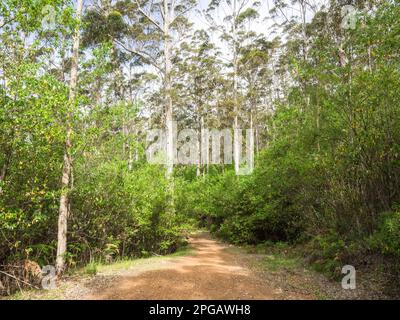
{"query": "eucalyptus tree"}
{"type": "Point", "coordinates": [111, 68]}
{"type": "Point", "coordinates": [159, 27]}
{"type": "Point", "coordinates": [33, 112]}
{"type": "Point", "coordinates": [103, 22]}
{"type": "Point", "coordinates": [20, 23]}
{"type": "Point", "coordinates": [237, 17]}
{"type": "Point", "coordinates": [256, 73]}
{"type": "Point", "coordinates": [200, 81]}
{"type": "Point", "coordinates": [67, 165]}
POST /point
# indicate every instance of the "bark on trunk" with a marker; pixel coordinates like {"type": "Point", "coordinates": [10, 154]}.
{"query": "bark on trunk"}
{"type": "Point", "coordinates": [67, 167]}
{"type": "Point", "coordinates": [250, 148]}
{"type": "Point", "coordinates": [236, 143]}
{"type": "Point", "coordinates": [168, 87]}
{"type": "Point", "coordinates": [3, 171]}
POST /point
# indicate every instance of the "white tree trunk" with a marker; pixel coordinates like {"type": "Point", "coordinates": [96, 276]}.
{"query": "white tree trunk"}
{"type": "Point", "coordinates": [168, 87]}
{"type": "Point", "coordinates": [250, 147]}
{"type": "Point", "coordinates": [236, 132]}
{"type": "Point", "coordinates": [204, 150]}
{"type": "Point", "coordinates": [201, 146]}
{"type": "Point", "coordinates": [67, 167]}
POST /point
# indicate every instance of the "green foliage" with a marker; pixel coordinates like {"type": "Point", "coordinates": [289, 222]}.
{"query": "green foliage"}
{"type": "Point", "coordinates": [387, 237]}
{"type": "Point", "coordinates": [32, 142]}
{"type": "Point", "coordinates": [279, 262]}
{"type": "Point", "coordinates": [327, 171]}
{"type": "Point", "coordinates": [330, 170]}
{"type": "Point", "coordinates": [122, 212]}
{"type": "Point", "coordinates": [237, 210]}
{"type": "Point", "coordinates": [91, 269]}
{"type": "Point", "coordinates": [327, 254]}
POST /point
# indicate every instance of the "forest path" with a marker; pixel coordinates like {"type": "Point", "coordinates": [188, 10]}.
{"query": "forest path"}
{"type": "Point", "coordinates": [207, 270]}
{"type": "Point", "coordinates": [211, 272]}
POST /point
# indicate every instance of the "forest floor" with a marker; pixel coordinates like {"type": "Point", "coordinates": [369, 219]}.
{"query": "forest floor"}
{"type": "Point", "coordinates": [209, 269]}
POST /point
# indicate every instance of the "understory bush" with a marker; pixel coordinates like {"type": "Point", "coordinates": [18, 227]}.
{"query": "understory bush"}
{"type": "Point", "coordinates": [387, 237]}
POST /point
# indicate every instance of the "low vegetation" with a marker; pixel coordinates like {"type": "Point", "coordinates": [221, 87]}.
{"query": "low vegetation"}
{"type": "Point", "coordinates": [76, 187]}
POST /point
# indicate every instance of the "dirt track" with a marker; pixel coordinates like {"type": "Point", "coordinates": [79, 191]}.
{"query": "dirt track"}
{"type": "Point", "coordinates": [211, 272]}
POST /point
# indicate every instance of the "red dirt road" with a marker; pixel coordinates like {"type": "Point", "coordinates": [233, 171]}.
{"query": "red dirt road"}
{"type": "Point", "coordinates": [211, 272]}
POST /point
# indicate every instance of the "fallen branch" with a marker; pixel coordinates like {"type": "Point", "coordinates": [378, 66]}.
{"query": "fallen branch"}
{"type": "Point", "coordinates": [14, 277]}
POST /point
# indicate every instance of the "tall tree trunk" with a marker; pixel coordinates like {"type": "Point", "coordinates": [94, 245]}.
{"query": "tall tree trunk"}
{"type": "Point", "coordinates": [257, 140]}
{"type": "Point", "coordinates": [67, 167]}
{"type": "Point", "coordinates": [236, 146]}
{"type": "Point", "coordinates": [317, 120]}
{"type": "Point", "coordinates": [168, 87]}
{"type": "Point", "coordinates": [201, 146]}
{"type": "Point", "coordinates": [250, 146]}
{"type": "Point", "coordinates": [303, 10]}
{"type": "Point", "coordinates": [4, 168]}
{"type": "Point", "coordinates": [2, 176]}
{"type": "Point", "coordinates": [169, 124]}
{"type": "Point", "coordinates": [204, 150]}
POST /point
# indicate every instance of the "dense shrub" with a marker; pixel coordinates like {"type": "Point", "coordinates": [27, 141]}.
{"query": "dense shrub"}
{"type": "Point", "coordinates": [387, 237]}
{"type": "Point", "coordinates": [331, 168]}
{"type": "Point", "coordinates": [123, 213]}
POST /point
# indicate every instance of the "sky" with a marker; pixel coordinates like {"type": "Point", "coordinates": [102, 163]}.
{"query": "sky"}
{"type": "Point", "coordinates": [264, 25]}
